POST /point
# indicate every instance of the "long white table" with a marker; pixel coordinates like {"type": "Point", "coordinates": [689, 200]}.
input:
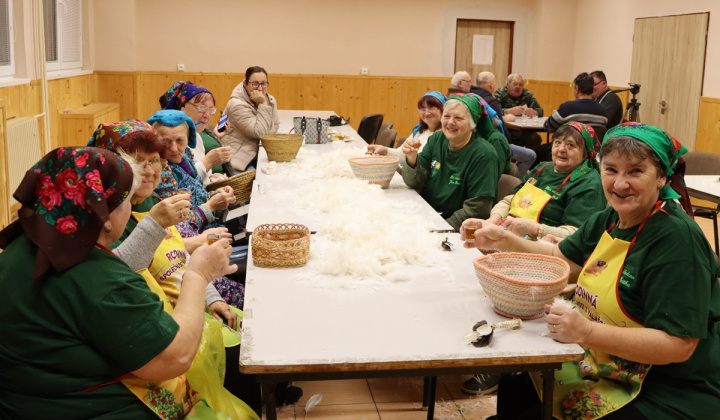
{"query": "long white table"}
{"type": "Point", "coordinates": [704, 187]}
{"type": "Point", "coordinates": [298, 328]}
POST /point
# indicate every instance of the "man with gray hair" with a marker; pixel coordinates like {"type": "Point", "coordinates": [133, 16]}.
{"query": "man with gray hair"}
{"type": "Point", "coordinates": [516, 100]}
{"type": "Point", "coordinates": [461, 82]}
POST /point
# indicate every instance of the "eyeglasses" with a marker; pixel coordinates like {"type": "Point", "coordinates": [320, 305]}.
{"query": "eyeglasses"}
{"type": "Point", "coordinates": [203, 109]}
{"type": "Point", "coordinates": [255, 85]}
{"type": "Point", "coordinates": [155, 164]}
{"type": "Point", "coordinates": [595, 84]}
{"type": "Point", "coordinates": [424, 110]}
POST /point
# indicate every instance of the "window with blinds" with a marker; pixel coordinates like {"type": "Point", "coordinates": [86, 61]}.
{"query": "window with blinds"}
{"type": "Point", "coordinates": [63, 34]}
{"type": "Point", "coordinates": [7, 62]}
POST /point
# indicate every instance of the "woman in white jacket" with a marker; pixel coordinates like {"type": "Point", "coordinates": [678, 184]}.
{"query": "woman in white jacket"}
{"type": "Point", "coordinates": [252, 113]}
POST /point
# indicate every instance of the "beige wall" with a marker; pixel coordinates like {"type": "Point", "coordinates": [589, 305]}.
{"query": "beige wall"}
{"type": "Point", "coordinates": [606, 39]}
{"type": "Point", "coordinates": [399, 37]}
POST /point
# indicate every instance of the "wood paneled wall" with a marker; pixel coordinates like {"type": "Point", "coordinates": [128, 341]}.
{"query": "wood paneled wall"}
{"type": "Point", "coordinates": [708, 131]}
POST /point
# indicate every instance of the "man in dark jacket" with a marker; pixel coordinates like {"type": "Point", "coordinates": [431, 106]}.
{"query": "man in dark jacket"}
{"type": "Point", "coordinates": [607, 98]}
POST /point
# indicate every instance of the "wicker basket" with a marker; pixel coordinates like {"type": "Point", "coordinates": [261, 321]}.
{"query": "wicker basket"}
{"type": "Point", "coordinates": [240, 183]}
{"type": "Point", "coordinates": [518, 284]}
{"type": "Point", "coordinates": [282, 147]}
{"type": "Point", "coordinates": [375, 169]}
{"type": "Point", "coordinates": [280, 245]}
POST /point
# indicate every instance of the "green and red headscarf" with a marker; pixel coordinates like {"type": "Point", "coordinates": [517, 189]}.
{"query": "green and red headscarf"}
{"type": "Point", "coordinates": [66, 198]}
{"type": "Point", "coordinates": [483, 125]}
{"type": "Point", "coordinates": [665, 146]}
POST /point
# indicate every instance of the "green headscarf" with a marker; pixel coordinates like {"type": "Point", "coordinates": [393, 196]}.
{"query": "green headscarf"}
{"type": "Point", "coordinates": [483, 126]}
{"type": "Point", "coordinates": [665, 146]}
{"type": "Point", "coordinates": [592, 145]}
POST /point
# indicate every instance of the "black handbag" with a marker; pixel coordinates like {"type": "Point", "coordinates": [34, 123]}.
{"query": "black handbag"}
{"type": "Point", "coordinates": [336, 121]}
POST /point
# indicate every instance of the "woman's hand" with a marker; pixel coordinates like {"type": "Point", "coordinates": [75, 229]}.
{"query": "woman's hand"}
{"type": "Point", "coordinates": [216, 177]}
{"type": "Point", "coordinates": [221, 198]}
{"type": "Point", "coordinates": [489, 236]}
{"type": "Point", "coordinates": [377, 149]}
{"type": "Point", "coordinates": [221, 311]}
{"type": "Point", "coordinates": [566, 324]}
{"type": "Point", "coordinates": [211, 261]}
{"type": "Point", "coordinates": [194, 242]}
{"type": "Point", "coordinates": [257, 97]}
{"type": "Point", "coordinates": [521, 227]}
{"type": "Point", "coordinates": [217, 157]}
{"type": "Point", "coordinates": [171, 210]}
{"type": "Point", "coordinates": [220, 134]}
{"type": "Point", "coordinates": [410, 152]}
{"type": "Point", "coordinates": [551, 239]}
{"type": "Point", "coordinates": [495, 219]}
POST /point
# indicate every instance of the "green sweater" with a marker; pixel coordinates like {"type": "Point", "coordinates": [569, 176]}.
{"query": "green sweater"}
{"type": "Point", "coordinates": [86, 326]}
{"type": "Point", "coordinates": [670, 283]}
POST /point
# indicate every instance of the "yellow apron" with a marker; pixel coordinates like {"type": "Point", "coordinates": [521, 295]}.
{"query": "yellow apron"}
{"type": "Point", "coordinates": [169, 262]}
{"type": "Point", "coordinates": [175, 398]}
{"type": "Point", "coordinates": [530, 200]}
{"type": "Point", "coordinates": [601, 383]}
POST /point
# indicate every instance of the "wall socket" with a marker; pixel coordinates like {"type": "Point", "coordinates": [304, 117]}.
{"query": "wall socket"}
{"type": "Point", "coordinates": [181, 67]}
{"type": "Point", "coordinates": [364, 70]}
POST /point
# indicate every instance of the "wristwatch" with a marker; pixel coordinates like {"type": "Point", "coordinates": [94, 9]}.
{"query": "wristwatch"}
{"type": "Point", "coordinates": [539, 231]}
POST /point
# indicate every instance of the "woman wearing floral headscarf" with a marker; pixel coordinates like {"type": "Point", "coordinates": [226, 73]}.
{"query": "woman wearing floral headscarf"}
{"type": "Point", "coordinates": [556, 197]}
{"type": "Point", "coordinates": [178, 131]}
{"type": "Point", "coordinates": [458, 170]}
{"type": "Point", "coordinates": [83, 335]}
{"type": "Point", "coordinates": [199, 104]}
{"type": "Point", "coordinates": [647, 299]}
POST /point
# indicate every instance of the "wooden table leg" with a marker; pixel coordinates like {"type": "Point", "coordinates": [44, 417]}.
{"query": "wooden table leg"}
{"type": "Point", "coordinates": [268, 396]}
{"type": "Point", "coordinates": [548, 386]}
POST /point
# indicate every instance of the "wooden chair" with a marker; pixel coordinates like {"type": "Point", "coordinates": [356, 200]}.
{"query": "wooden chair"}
{"type": "Point", "coordinates": [369, 127]}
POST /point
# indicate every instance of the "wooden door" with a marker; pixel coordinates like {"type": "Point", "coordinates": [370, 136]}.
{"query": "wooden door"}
{"type": "Point", "coordinates": [669, 63]}
{"type": "Point", "coordinates": [502, 45]}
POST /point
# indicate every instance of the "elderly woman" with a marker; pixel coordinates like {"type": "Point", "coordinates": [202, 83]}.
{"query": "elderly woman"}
{"type": "Point", "coordinates": [556, 197]}
{"type": "Point", "coordinates": [458, 170]}
{"type": "Point", "coordinates": [252, 113]}
{"type": "Point", "coordinates": [647, 299]}
{"type": "Point", "coordinates": [199, 104]}
{"type": "Point", "coordinates": [83, 335]}
{"type": "Point", "coordinates": [430, 107]}
{"type": "Point", "coordinates": [178, 131]}
{"type": "Point", "coordinates": [168, 259]}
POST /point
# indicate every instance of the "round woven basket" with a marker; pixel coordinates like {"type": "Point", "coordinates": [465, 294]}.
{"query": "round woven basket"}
{"type": "Point", "coordinates": [240, 183]}
{"type": "Point", "coordinates": [282, 147]}
{"type": "Point", "coordinates": [518, 284]}
{"type": "Point", "coordinates": [375, 169]}
{"type": "Point", "coordinates": [280, 245]}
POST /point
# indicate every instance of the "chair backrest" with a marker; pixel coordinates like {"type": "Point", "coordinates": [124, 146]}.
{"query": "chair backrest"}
{"type": "Point", "coordinates": [400, 141]}
{"type": "Point", "coordinates": [369, 127]}
{"type": "Point", "coordinates": [600, 131]}
{"type": "Point", "coordinates": [385, 126]}
{"type": "Point", "coordinates": [506, 184]}
{"type": "Point", "coordinates": [386, 137]}
{"type": "Point", "coordinates": [701, 163]}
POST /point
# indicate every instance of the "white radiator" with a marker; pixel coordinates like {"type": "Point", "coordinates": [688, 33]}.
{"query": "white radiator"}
{"type": "Point", "coordinates": [23, 143]}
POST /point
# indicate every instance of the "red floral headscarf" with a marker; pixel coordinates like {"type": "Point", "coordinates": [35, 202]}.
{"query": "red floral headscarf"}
{"type": "Point", "coordinates": [66, 198]}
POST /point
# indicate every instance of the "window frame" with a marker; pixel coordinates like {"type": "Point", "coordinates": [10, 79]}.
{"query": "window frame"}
{"type": "Point", "coordinates": [60, 24]}
{"type": "Point", "coordinates": [9, 70]}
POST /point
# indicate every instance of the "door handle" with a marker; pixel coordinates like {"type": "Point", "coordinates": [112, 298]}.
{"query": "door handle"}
{"type": "Point", "coordinates": [663, 107]}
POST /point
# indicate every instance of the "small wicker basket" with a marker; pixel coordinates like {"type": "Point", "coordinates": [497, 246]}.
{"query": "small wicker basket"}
{"type": "Point", "coordinates": [280, 245]}
{"type": "Point", "coordinates": [240, 183]}
{"type": "Point", "coordinates": [519, 284]}
{"type": "Point", "coordinates": [282, 147]}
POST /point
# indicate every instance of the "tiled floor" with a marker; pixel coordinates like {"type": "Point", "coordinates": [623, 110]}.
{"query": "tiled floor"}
{"type": "Point", "coordinates": [397, 398]}
{"type": "Point", "coordinates": [387, 399]}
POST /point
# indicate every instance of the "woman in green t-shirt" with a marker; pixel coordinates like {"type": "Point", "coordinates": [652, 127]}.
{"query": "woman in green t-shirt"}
{"type": "Point", "coordinates": [646, 302]}
{"type": "Point", "coordinates": [556, 197]}
{"type": "Point", "coordinates": [457, 171]}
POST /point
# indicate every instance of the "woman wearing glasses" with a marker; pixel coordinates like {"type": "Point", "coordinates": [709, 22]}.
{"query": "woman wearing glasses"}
{"type": "Point", "coordinates": [252, 113]}
{"type": "Point", "coordinates": [199, 104]}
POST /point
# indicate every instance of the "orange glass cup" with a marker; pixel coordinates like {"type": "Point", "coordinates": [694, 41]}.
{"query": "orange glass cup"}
{"type": "Point", "coordinates": [469, 233]}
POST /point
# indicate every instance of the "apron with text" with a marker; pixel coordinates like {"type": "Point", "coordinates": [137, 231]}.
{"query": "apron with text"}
{"type": "Point", "coordinates": [169, 262]}
{"type": "Point", "coordinates": [530, 200]}
{"type": "Point", "coordinates": [601, 383]}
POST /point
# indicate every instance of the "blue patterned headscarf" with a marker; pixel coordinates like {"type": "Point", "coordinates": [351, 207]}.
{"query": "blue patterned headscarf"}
{"type": "Point", "coordinates": [173, 118]}
{"type": "Point", "coordinates": [435, 94]}
{"type": "Point", "coordinates": [179, 93]}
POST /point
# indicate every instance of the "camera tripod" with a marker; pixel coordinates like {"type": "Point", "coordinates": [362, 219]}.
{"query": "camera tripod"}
{"type": "Point", "coordinates": [633, 110]}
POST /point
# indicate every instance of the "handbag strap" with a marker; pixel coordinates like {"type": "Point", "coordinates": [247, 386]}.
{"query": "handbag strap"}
{"type": "Point", "coordinates": [318, 124]}
{"type": "Point", "coordinates": [303, 125]}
